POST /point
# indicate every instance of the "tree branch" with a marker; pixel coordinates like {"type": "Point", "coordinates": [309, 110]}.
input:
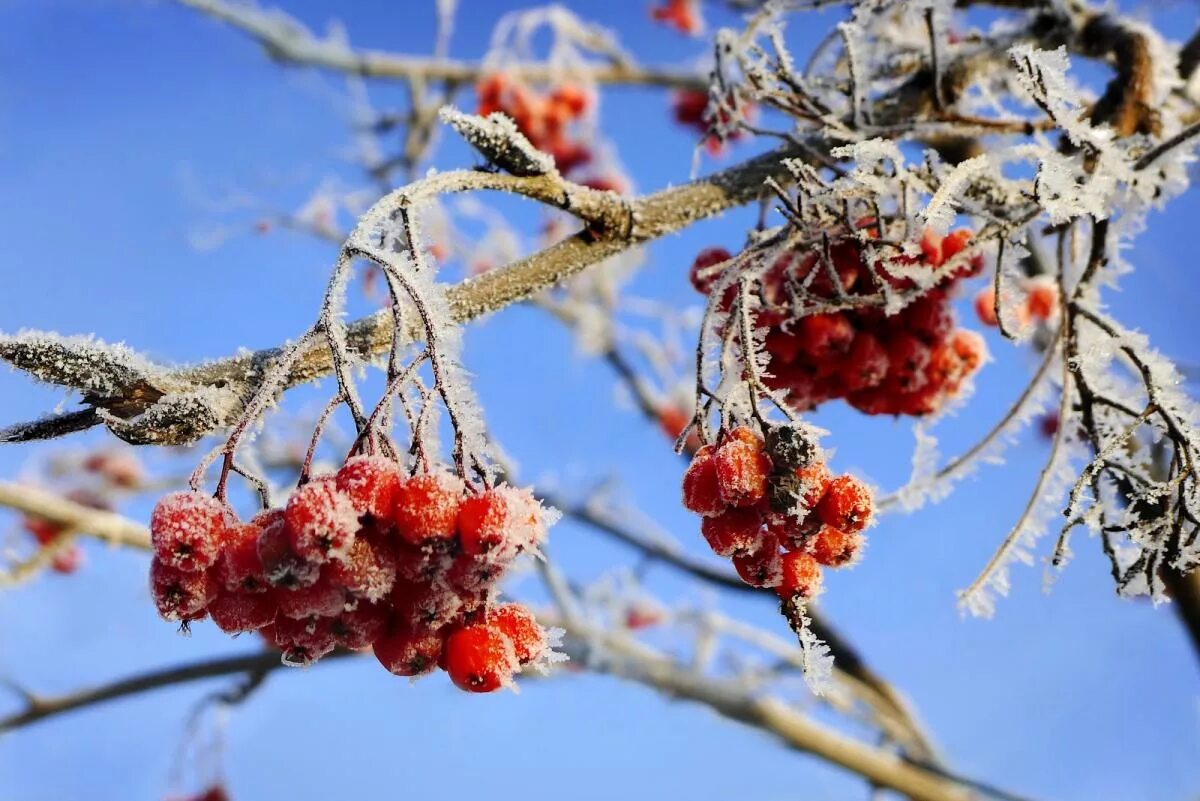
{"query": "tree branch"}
{"type": "Point", "coordinates": [287, 41]}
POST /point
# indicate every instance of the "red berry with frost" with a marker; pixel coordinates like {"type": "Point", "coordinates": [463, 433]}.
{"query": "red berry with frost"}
{"type": "Point", "coordinates": [368, 571]}
{"type": "Point", "coordinates": [321, 521]}
{"type": "Point", "coordinates": [281, 565]}
{"type": "Point", "coordinates": [323, 598]}
{"type": "Point", "coordinates": [735, 531]}
{"type": "Point", "coordinates": [846, 505]}
{"type": "Point", "coordinates": [361, 626]}
{"type": "Point", "coordinates": [186, 530]}
{"type": "Point", "coordinates": [497, 520]}
{"type": "Point", "coordinates": [178, 594]}
{"type": "Point", "coordinates": [970, 349]}
{"type": "Point", "coordinates": [470, 573]}
{"type": "Point", "coordinates": [833, 547]}
{"type": "Point", "coordinates": [479, 658]}
{"type": "Point", "coordinates": [240, 568]}
{"type": "Point", "coordinates": [237, 612]}
{"type": "Point", "coordinates": [701, 490]}
{"type": "Point", "coordinates": [800, 576]}
{"type": "Point", "coordinates": [410, 651]}
{"type": "Point", "coordinates": [422, 563]}
{"type": "Point", "coordinates": [762, 567]}
{"type": "Point", "coordinates": [826, 336]}
{"type": "Point", "coordinates": [814, 481]}
{"type": "Point", "coordinates": [522, 629]}
{"type": "Point", "coordinates": [303, 642]}
{"type": "Point", "coordinates": [908, 361]}
{"type": "Point", "coordinates": [929, 317]}
{"type": "Point", "coordinates": [866, 364]}
{"type": "Point", "coordinates": [426, 508]}
{"type": "Point", "coordinates": [742, 469]}
{"type": "Point", "coordinates": [370, 483]}
{"type": "Point", "coordinates": [1041, 299]}
{"type": "Point", "coordinates": [430, 605]}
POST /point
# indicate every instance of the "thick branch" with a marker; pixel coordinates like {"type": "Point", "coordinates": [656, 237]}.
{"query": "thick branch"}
{"type": "Point", "coordinates": [73, 516]}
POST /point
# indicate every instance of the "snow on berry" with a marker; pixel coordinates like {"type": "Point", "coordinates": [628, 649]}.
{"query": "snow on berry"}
{"type": "Point", "coordinates": [180, 595]}
{"type": "Point", "coordinates": [426, 509]}
{"type": "Point", "coordinates": [522, 629]}
{"type": "Point", "coordinates": [371, 484]}
{"type": "Point", "coordinates": [742, 468]}
{"type": "Point", "coordinates": [732, 532]}
{"type": "Point", "coordinates": [762, 567]}
{"type": "Point", "coordinates": [847, 504]}
{"type": "Point", "coordinates": [321, 521]}
{"type": "Point", "coordinates": [186, 529]}
{"type": "Point", "coordinates": [240, 611]}
{"type": "Point", "coordinates": [368, 571]}
{"type": "Point", "coordinates": [833, 547]}
{"type": "Point", "coordinates": [800, 576]}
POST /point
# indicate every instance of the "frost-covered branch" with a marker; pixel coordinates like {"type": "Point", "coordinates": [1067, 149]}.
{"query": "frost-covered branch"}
{"type": "Point", "coordinates": [287, 40]}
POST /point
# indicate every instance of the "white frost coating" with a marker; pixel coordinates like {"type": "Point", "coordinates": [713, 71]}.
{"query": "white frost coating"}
{"type": "Point", "coordinates": [816, 657]}
{"type": "Point", "coordinates": [940, 212]}
{"type": "Point", "coordinates": [81, 361]}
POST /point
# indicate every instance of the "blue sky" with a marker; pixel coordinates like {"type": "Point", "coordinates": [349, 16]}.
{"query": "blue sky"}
{"type": "Point", "coordinates": [113, 112]}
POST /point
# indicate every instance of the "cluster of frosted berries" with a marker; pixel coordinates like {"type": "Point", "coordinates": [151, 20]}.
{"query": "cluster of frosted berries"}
{"type": "Point", "coordinates": [908, 363]}
{"type": "Point", "coordinates": [365, 558]}
{"type": "Point", "coordinates": [774, 509]}
{"type": "Point", "coordinates": [545, 120]}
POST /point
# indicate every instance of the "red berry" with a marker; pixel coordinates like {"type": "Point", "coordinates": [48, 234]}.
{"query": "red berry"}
{"type": "Point", "coordinates": [178, 594]}
{"type": "Point", "coordinates": [410, 651]}
{"type": "Point", "coordinates": [833, 547]}
{"type": "Point", "coordinates": [985, 306]}
{"type": "Point", "coordinates": [238, 611]}
{"type": "Point", "coordinates": [303, 642]}
{"type": "Point", "coordinates": [361, 626]}
{"type": "Point", "coordinates": [742, 467]}
{"type": "Point", "coordinates": [814, 481]}
{"type": "Point", "coordinates": [847, 504]}
{"type": "Point", "coordinates": [370, 482]}
{"type": "Point", "coordinates": [323, 598]}
{"type": "Point", "coordinates": [321, 520]}
{"type": "Point", "coordinates": [479, 658]}
{"type": "Point", "coordinates": [929, 317]}
{"type": "Point", "coordinates": [908, 360]}
{"type": "Point", "coordinates": [281, 565]}
{"type": "Point", "coordinates": [970, 349]}
{"type": "Point", "coordinates": [703, 273]}
{"type": "Point", "coordinates": [427, 507]}
{"type": "Point", "coordinates": [240, 568]}
{"type": "Point", "coordinates": [186, 529]}
{"type": "Point", "coordinates": [801, 576]}
{"type": "Point", "coordinates": [1041, 299]}
{"type": "Point", "coordinates": [470, 573]}
{"type": "Point", "coordinates": [826, 336]}
{"type": "Point", "coordinates": [369, 570]}
{"type": "Point", "coordinates": [866, 365]}
{"type": "Point", "coordinates": [701, 490]}
{"type": "Point", "coordinates": [503, 520]}
{"type": "Point", "coordinates": [520, 626]}
{"type": "Point", "coordinates": [735, 531]}
{"type": "Point", "coordinates": [430, 605]}
{"type": "Point", "coordinates": [421, 563]}
{"type": "Point", "coordinates": [762, 567]}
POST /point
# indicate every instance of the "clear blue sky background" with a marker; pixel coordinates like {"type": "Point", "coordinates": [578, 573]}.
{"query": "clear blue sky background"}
{"type": "Point", "coordinates": [106, 108]}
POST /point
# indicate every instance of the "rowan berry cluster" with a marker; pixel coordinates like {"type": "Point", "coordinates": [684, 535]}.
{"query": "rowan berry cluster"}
{"type": "Point", "coordinates": [774, 509]}
{"type": "Point", "coordinates": [907, 363]}
{"type": "Point", "coordinates": [364, 558]}
{"type": "Point", "coordinates": [545, 119]}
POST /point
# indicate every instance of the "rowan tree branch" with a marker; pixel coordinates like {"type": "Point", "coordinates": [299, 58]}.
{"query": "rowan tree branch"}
{"type": "Point", "coordinates": [289, 42]}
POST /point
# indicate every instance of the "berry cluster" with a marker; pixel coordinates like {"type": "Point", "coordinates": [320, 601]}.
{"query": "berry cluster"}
{"type": "Point", "coordinates": [907, 363]}
{"type": "Point", "coordinates": [774, 509]}
{"type": "Point", "coordinates": [545, 120]}
{"type": "Point", "coordinates": [366, 557]}
{"type": "Point", "coordinates": [1040, 304]}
